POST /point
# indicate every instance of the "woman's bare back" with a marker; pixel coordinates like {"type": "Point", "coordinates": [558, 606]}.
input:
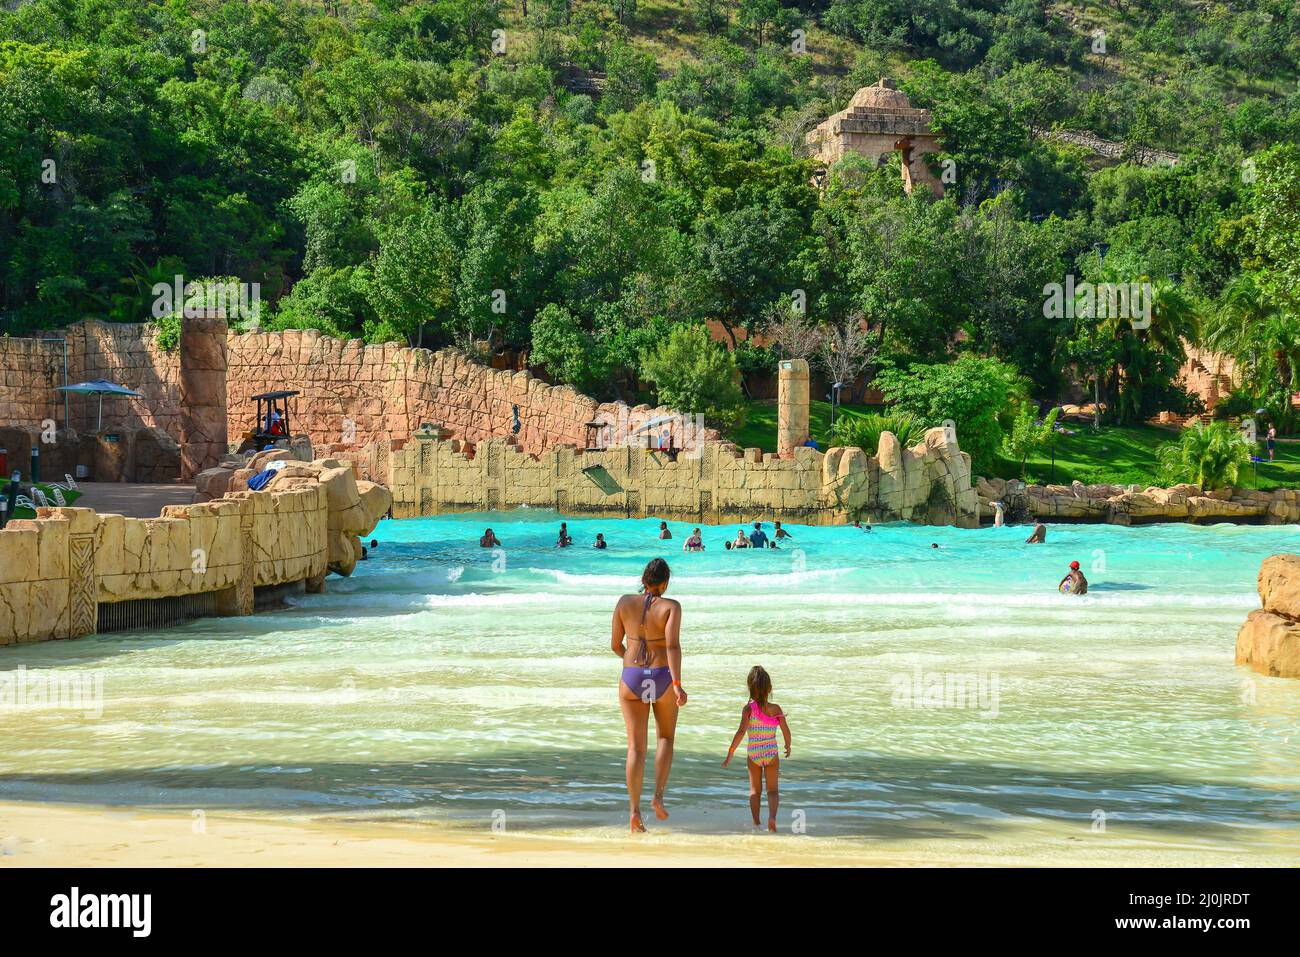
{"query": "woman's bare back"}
{"type": "Point", "coordinates": [661, 611]}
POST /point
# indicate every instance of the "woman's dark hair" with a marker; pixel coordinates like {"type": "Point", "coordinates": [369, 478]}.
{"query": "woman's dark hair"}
{"type": "Point", "coordinates": [656, 573]}
{"type": "Point", "coordinates": [760, 684]}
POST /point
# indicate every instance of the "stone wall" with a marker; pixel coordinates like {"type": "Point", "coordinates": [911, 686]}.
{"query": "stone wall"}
{"type": "Point", "coordinates": [57, 569]}
{"type": "Point", "coordinates": [928, 483]}
{"type": "Point", "coordinates": [130, 355]}
{"type": "Point", "coordinates": [125, 353]}
{"type": "Point", "coordinates": [30, 371]}
{"type": "Point", "coordinates": [1209, 375]}
{"type": "Point", "coordinates": [1269, 641]}
{"type": "Point", "coordinates": [354, 394]}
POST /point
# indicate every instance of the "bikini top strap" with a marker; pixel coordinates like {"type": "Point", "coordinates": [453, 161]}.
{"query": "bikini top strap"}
{"type": "Point", "coordinates": [643, 655]}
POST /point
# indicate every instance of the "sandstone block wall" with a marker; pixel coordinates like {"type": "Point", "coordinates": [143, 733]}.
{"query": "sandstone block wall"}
{"type": "Point", "coordinates": [57, 569]}
{"type": "Point", "coordinates": [719, 483]}
{"type": "Point", "coordinates": [354, 394]}
{"type": "Point", "coordinates": [130, 355]}
{"type": "Point", "coordinates": [125, 353]}
{"type": "Point", "coordinates": [30, 371]}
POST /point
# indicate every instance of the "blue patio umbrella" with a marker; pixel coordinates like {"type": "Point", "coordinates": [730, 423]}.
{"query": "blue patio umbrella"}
{"type": "Point", "coordinates": [101, 388]}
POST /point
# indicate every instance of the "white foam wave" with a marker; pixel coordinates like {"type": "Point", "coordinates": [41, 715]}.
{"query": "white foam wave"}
{"type": "Point", "coordinates": [695, 581]}
{"type": "Point", "coordinates": [952, 603]}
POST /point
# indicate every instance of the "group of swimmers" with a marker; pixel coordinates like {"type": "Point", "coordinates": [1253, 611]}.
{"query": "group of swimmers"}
{"type": "Point", "coordinates": [1074, 583]}
{"type": "Point", "coordinates": [695, 543]}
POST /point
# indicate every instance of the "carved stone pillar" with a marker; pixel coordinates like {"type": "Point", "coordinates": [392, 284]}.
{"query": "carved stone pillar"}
{"type": "Point", "coordinates": [203, 395]}
{"type": "Point", "coordinates": [791, 406]}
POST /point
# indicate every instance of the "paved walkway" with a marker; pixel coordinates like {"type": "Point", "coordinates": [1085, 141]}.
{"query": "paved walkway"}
{"type": "Point", "coordinates": [132, 500]}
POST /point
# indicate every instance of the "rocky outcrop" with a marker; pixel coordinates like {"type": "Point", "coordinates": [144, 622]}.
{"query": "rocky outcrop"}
{"type": "Point", "coordinates": [1135, 505]}
{"type": "Point", "coordinates": [355, 507]}
{"type": "Point", "coordinates": [928, 483]}
{"type": "Point", "coordinates": [1269, 641]}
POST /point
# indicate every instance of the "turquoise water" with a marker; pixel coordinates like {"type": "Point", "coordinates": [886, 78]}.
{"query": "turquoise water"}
{"type": "Point", "coordinates": [448, 682]}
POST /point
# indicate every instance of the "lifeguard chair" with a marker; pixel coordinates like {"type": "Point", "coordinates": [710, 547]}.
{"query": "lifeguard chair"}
{"type": "Point", "coordinates": [272, 423]}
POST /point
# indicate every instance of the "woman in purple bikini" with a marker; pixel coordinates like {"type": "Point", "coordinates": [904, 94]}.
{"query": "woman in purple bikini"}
{"type": "Point", "coordinates": [645, 634]}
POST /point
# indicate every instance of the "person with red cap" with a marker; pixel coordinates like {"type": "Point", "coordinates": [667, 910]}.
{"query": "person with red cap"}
{"type": "Point", "coordinates": [1074, 583]}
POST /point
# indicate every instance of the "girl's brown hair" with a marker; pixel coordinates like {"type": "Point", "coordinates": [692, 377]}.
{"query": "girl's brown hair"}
{"type": "Point", "coordinates": [760, 684]}
{"type": "Point", "coordinates": [656, 573]}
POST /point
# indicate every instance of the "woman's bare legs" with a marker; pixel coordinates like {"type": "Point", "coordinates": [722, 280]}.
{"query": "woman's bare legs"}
{"type": "Point", "coordinates": [771, 772]}
{"type": "Point", "coordinates": [755, 789]}
{"type": "Point", "coordinates": [665, 731]}
{"type": "Point", "coordinates": [636, 715]}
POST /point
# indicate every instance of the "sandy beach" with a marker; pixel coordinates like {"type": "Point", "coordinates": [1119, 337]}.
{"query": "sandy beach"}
{"type": "Point", "coordinates": [73, 836]}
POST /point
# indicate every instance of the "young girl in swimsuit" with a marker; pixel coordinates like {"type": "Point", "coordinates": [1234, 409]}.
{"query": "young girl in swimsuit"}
{"type": "Point", "coordinates": [651, 680]}
{"type": "Point", "coordinates": [761, 718]}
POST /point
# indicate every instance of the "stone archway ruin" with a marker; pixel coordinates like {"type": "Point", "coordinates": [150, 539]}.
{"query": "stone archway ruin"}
{"type": "Point", "coordinates": [880, 120]}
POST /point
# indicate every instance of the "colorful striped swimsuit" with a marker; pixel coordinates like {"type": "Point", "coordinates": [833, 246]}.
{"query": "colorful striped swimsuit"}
{"type": "Point", "coordinates": [761, 748]}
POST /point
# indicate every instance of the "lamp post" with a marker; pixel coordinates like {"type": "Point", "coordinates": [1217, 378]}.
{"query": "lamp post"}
{"type": "Point", "coordinates": [835, 394]}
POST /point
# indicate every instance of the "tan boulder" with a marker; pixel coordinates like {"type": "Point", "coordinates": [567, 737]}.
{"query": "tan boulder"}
{"type": "Point", "coordinates": [1270, 644]}
{"type": "Point", "coordinates": [212, 483]}
{"type": "Point", "coordinates": [1279, 585]}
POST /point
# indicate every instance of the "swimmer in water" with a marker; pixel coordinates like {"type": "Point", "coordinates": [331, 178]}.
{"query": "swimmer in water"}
{"type": "Point", "coordinates": [565, 539]}
{"type": "Point", "coordinates": [780, 532]}
{"type": "Point", "coordinates": [600, 541]}
{"type": "Point", "coordinates": [1073, 583]}
{"type": "Point", "coordinates": [695, 543]}
{"type": "Point", "coordinates": [489, 540]}
{"type": "Point", "coordinates": [663, 531]}
{"type": "Point", "coordinates": [1038, 536]}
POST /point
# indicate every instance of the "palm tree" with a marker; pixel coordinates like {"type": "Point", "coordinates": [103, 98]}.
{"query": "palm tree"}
{"type": "Point", "coordinates": [1208, 456]}
{"type": "Point", "coordinates": [1252, 327]}
{"type": "Point", "coordinates": [1173, 321]}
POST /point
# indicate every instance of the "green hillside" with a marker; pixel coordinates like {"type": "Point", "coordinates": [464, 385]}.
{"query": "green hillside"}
{"type": "Point", "coordinates": [587, 183]}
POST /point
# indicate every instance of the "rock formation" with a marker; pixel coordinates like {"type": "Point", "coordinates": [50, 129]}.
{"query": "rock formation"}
{"type": "Point", "coordinates": [1269, 641]}
{"type": "Point", "coordinates": [1135, 505]}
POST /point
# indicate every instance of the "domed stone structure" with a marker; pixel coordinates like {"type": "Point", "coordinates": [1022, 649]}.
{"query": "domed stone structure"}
{"type": "Point", "coordinates": [879, 120]}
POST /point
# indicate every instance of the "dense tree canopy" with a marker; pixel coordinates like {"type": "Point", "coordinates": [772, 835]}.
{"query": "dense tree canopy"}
{"type": "Point", "coordinates": [436, 171]}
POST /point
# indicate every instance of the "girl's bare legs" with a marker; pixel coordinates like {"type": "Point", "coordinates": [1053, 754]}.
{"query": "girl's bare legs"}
{"type": "Point", "coordinates": [665, 731]}
{"type": "Point", "coordinates": [636, 715]}
{"type": "Point", "coordinates": [772, 772]}
{"type": "Point", "coordinates": [755, 789]}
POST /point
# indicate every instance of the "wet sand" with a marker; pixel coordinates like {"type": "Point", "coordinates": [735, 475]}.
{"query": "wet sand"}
{"type": "Point", "coordinates": [34, 835]}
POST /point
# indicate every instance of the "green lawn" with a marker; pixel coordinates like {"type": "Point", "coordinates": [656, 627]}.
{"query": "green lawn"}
{"type": "Point", "coordinates": [1127, 455]}
{"type": "Point", "coordinates": [759, 430]}
{"type": "Point", "coordinates": [1116, 455]}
